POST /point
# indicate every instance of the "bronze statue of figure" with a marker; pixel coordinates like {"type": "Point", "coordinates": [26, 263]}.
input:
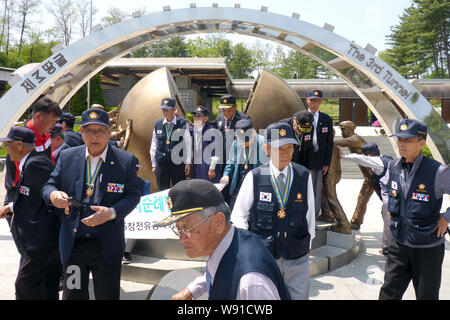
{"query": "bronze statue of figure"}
{"type": "Point", "coordinates": [355, 142]}
{"type": "Point", "coordinates": [331, 207]}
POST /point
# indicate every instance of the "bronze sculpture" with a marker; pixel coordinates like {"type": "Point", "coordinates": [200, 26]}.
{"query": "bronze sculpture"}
{"type": "Point", "coordinates": [331, 207]}
{"type": "Point", "coordinates": [354, 142]}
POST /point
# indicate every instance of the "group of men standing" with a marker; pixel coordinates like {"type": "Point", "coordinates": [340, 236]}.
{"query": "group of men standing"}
{"type": "Point", "coordinates": [66, 204]}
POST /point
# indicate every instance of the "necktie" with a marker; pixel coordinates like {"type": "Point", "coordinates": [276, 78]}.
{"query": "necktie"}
{"type": "Point", "coordinates": [315, 144]}
{"type": "Point", "coordinates": [208, 278]}
{"type": "Point", "coordinates": [281, 184]}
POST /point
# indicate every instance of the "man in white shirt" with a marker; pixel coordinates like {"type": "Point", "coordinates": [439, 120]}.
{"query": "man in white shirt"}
{"type": "Point", "coordinates": [276, 202]}
{"type": "Point", "coordinates": [202, 223]}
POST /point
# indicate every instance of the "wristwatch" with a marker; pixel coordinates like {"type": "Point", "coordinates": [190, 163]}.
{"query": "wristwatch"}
{"type": "Point", "coordinates": [113, 213]}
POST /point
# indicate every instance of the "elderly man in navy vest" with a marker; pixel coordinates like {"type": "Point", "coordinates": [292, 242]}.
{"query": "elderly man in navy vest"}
{"type": "Point", "coordinates": [238, 267]}
{"type": "Point", "coordinates": [276, 202]}
{"type": "Point", "coordinates": [71, 138]}
{"type": "Point", "coordinates": [167, 166]}
{"type": "Point", "coordinates": [96, 186]}
{"type": "Point", "coordinates": [33, 226]}
{"type": "Point", "coordinates": [415, 188]}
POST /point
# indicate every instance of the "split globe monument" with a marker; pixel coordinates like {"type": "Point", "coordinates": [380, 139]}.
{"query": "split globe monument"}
{"type": "Point", "coordinates": [61, 75]}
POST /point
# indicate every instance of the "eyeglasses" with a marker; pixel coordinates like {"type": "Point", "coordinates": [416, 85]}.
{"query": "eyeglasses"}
{"type": "Point", "coordinates": [184, 232]}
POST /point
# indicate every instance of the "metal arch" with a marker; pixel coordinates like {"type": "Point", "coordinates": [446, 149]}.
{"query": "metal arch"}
{"type": "Point", "coordinates": [372, 79]}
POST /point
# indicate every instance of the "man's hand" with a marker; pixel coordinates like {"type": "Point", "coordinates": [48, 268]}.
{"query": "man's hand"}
{"type": "Point", "coordinates": [225, 180]}
{"type": "Point", "coordinates": [184, 294]}
{"type": "Point", "coordinates": [211, 174]}
{"type": "Point", "coordinates": [187, 169]}
{"type": "Point", "coordinates": [59, 199]}
{"type": "Point", "coordinates": [441, 227]}
{"type": "Point", "coordinates": [101, 215]}
{"type": "Point", "coordinates": [4, 212]}
{"type": "Point", "coordinates": [154, 170]}
{"type": "Point", "coordinates": [325, 169]}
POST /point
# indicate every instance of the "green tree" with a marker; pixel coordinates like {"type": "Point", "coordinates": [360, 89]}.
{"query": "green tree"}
{"type": "Point", "coordinates": [174, 47]}
{"type": "Point", "coordinates": [241, 62]}
{"type": "Point", "coordinates": [78, 102]}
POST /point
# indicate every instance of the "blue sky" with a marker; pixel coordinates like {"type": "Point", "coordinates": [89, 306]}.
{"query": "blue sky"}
{"type": "Point", "coordinates": [364, 21]}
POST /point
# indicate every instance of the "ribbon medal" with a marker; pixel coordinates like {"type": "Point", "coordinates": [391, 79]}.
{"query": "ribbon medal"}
{"type": "Point", "coordinates": [282, 195]}
{"type": "Point", "coordinates": [90, 178]}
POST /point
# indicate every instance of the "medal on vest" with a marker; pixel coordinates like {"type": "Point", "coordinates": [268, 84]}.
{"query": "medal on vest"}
{"type": "Point", "coordinates": [168, 131]}
{"type": "Point", "coordinates": [90, 178]}
{"type": "Point", "coordinates": [281, 199]}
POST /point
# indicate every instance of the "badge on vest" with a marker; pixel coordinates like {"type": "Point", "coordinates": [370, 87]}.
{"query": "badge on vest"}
{"type": "Point", "coordinates": [158, 131]}
{"type": "Point", "coordinates": [394, 185]}
{"type": "Point", "coordinates": [420, 197]}
{"type": "Point", "coordinates": [325, 130]}
{"type": "Point", "coordinates": [24, 190]}
{"type": "Point", "coordinates": [265, 196]}
{"type": "Point", "coordinates": [115, 187]}
{"type": "Point", "coordinates": [308, 137]}
{"type": "Point", "coordinates": [299, 197]}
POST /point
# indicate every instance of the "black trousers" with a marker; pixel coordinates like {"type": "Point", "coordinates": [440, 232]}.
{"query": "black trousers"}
{"type": "Point", "coordinates": [38, 276]}
{"type": "Point", "coordinates": [87, 257]}
{"type": "Point", "coordinates": [421, 265]}
{"type": "Point", "coordinates": [169, 172]}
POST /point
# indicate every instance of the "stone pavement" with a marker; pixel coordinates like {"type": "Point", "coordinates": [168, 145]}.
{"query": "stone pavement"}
{"type": "Point", "coordinates": [359, 280]}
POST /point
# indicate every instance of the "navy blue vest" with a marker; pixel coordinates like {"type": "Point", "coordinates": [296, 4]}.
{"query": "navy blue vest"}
{"type": "Point", "coordinates": [376, 178]}
{"type": "Point", "coordinates": [164, 150]}
{"type": "Point", "coordinates": [289, 237]}
{"type": "Point", "coordinates": [245, 254]}
{"type": "Point", "coordinates": [415, 218]}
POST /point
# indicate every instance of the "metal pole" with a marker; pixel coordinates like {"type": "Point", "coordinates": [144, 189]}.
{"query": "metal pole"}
{"type": "Point", "coordinates": [88, 98]}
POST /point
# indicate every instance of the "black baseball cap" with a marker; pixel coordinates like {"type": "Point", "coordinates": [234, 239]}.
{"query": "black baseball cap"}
{"type": "Point", "coordinates": [279, 134]}
{"type": "Point", "coordinates": [410, 128]}
{"type": "Point", "coordinates": [241, 127]}
{"type": "Point", "coordinates": [315, 94]}
{"type": "Point", "coordinates": [370, 148]}
{"type": "Point", "coordinates": [188, 197]}
{"type": "Point", "coordinates": [67, 117]}
{"type": "Point", "coordinates": [20, 134]}
{"type": "Point", "coordinates": [226, 102]}
{"type": "Point", "coordinates": [201, 110]}
{"type": "Point", "coordinates": [56, 130]}
{"type": "Point", "coordinates": [168, 103]}
{"type": "Point", "coordinates": [305, 120]}
{"type": "Point", "coordinates": [95, 116]}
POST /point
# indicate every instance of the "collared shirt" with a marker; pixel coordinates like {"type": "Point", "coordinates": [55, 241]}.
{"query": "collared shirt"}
{"type": "Point", "coordinates": [56, 152]}
{"type": "Point", "coordinates": [244, 201]}
{"type": "Point", "coordinates": [441, 187]}
{"type": "Point", "coordinates": [252, 286]}
{"type": "Point", "coordinates": [186, 138]}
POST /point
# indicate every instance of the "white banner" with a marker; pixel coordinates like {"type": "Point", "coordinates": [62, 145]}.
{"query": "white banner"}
{"type": "Point", "coordinates": [150, 210]}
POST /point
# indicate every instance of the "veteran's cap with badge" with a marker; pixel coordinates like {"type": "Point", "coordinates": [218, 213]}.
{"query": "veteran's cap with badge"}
{"type": "Point", "coordinates": [67, 117]}
{"type": "Point", "coordinates": [279, 134]}
{"type": "Point", "coordinates": [168, 103]}
{"type": "Point", "coordinates": [410, 128]}
{"type": "Point", "coordinates": [241, 130]}
{"type": "Point", "coordinates": [315, 94]}
{"type": "Point", "coordinates": [201, 110]}
{"type": "Point", "coordinates": [57, 129]}
{"type": "Point", "coordinates": [305, 120]}
{"type": "Point", "coordinates": [370, 149]}
{"type": "Point", "coordinates": [226, 102]}
{"type": "Point", "coordinates": [188, 197]}
{"type": "Point", "coordinates": [20, 134]}
{"type": "Point", "coordinates": [95, 116]}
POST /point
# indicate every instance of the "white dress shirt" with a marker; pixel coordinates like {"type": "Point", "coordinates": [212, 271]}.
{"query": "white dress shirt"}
{"type": "Point", "coordinates": [244, 201]}
{"type": "Point", "coordinates": [252, 286]}
{"type": "Point", "coordinates": [186, 138]}
{"type": "Point", "coordinates": [375, 163]}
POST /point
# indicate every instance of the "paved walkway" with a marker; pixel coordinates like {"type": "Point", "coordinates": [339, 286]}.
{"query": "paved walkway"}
{"type": "Point", "coordinates": [359, 280]}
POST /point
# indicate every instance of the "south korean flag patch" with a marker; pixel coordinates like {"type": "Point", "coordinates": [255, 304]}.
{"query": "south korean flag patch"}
{"type": "Point", "coordinates": [394, 185]}
{"type": "Point", "coordinates": [265, 196]}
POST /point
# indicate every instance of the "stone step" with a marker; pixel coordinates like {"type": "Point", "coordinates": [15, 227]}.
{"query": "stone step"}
{"type": "Point", "coordinates": [339, 251]}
